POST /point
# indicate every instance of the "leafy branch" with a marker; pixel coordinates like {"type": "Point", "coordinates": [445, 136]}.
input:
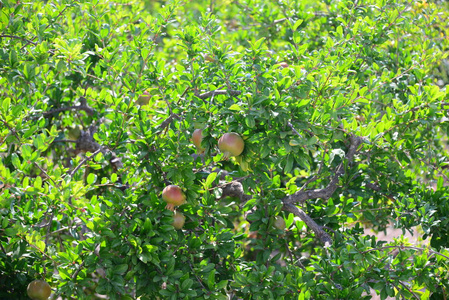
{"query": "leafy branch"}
{"type": "Point", "coordinates": [327, 192]}
{"type": "Point", "coordinates": [18, 38]}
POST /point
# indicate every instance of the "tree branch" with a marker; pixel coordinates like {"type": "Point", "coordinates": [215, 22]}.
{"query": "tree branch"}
{"type": "Point", "coordinates": [83, 162]}
{"type": "Point", "coordinates": [319, 232]}
{"type": "Point", "coordinates": [45, 173]}
{"type": "Point", "coordinates": [64, 141]}
{"type": "Point", "coordinates": [293, 129]}
{"type": "Point", "coordinates": [218, 92]}
{"type": "Point", "coordinates": [327, 192]}
{"type": "Point", "coordinates": [18, 38]}
{"type": "Point", "coordinates": [168, 120]}
{"type": "Point", "coordinates": [86, 108]}
{"type": "Point", "coordinates": [87, 143]}
{"type": "Point", "coordinates": [402, 247]}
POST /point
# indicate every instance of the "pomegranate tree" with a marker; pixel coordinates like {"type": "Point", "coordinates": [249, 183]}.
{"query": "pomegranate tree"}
{"type": "Point", "coordinates": [174, 196]}
{"type": "Point", "coordinates": [197, 138]}
{"type": "Point", "coordinates": [231, 144]}
{"type": "Point", "coordinates": [178, 220]}
{"type": "Point", "coordinates": [39, 290]}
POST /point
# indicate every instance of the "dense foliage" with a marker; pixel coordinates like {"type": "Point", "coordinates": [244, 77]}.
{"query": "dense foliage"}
{"type": "Point", "coordinates": [342, 108]}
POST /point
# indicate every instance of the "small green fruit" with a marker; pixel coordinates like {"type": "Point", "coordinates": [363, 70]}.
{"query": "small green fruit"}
{"type": "Point", "coordinates": [178, 220]}
{"type": "Point", "coordinates": [279, 223]}
{"type": "Point", "coordinates": [39, 290]}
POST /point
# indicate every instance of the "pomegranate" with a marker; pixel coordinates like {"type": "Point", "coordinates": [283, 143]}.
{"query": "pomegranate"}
{"type": "Point", "coordinates": [197, 138]}
{"type": "Point", "coordinates": [144, 99]}
{"type": "Point", "coordinates": [39, 290]}
{"type": "Point", "coordinates": [178, 220]}
{"type": "Point", "coordinates": [174, 196]}
{"type": "Point", "coordinates": [231, 144]}
{"type": "Point", "coordinates": [279, 223]}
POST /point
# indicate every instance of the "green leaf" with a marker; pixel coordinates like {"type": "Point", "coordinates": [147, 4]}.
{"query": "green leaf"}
{"type": "Point", "coordinates": [235, 107]}
{"type": "Point", "coordinates": [114, 177]}
{"type": "Point", "coordinates": [297, 24]}
{"type": "Point", "coordinates": [289, 164]}
{"type": "Point", "coordinates": [186, 284]}
{"type": "Point", "coordinates": [11, 231]}
{"type": "Point", "coordinates": [6, 105]}
{"type": "Point", "coordinates": [120, 269]}
{"type": "Point", "coordinates": [211, 279]}
{"type": "Point", "coordinates": [38, 183]}
{"type": "Point", "coordinates": [210, 179]}
{"type": "Point", "coordinates": [221, 285]}
{"type": "Point", "coordinates": [91, 178]}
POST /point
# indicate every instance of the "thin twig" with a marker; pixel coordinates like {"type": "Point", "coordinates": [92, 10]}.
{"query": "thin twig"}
{"type": "Point", "coordinates": [60, 13]}
{"type": "Point", "coordinates": [86, 108]}
{"type": "Point", "coordinates": [18, 38]}
{"type": "Point", "coordinates": [83, 162]}
{"type": "Point", "coordinates": [408, 289]}
{"type": "Point", "coordinates": [197, 278]}
{"type": "Point", "coordinates": [11, 130]}
{"type": "Point", "coordinates": [402, 247]}
{"type": "Point", "coordinates": [47, 236]}
{"type": "Point", "coordinates": [218, 92]}
{"type": "Point", "coordinates": [75, 274]}
{"type": "Point", "coordinates": [294, 130]}
{"type": "Point", "coordinates": [45, 173]}
{"type": "Point", "coordinates": [64, 141]}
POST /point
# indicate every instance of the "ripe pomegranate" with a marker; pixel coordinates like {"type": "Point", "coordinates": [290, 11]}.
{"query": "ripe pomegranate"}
{"type": "Point", "coordinates": [197, 137]}
{"type": "Point", "coordinates": [279, 223]}
{"type": "Point", "coordinates": [174, 196]}
{"type": "Point", "coordinates": [231, 144]}
{"type": "Point", "coordinates": [178, 220]}
{"type": "Point", "coordinates": [38, 290]}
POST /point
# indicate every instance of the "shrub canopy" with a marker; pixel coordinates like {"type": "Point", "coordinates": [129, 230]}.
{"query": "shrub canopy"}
{"type": "Point", "coordinates": [342, 108]}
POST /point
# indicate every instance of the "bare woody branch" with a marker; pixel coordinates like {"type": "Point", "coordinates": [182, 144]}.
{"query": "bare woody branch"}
{"type": "Point", "coordinates": [327, 192]}
{"type": "Point", "coordinates": [319, 232]}
{"type": "Point", "coordinates": [235, 189]}
{"type": "Point", "coordinates": [167, 121]}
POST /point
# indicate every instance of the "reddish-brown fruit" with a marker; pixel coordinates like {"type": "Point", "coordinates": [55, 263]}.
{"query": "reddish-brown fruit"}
{"type": "Point", "coordinates": [144, 98]}
{"type": "Point", "coordinates": [178, 220]}
{"type": "Point", "coordinates": [197, 138]}
{"type": "Point", "coordinates": [209, 58]}
{"type": "Point", "coordinates": [231, 144]}
{"type": "Point", "coordinates": [279, 223]}
{"type": "Point", "coordinates": [174, 196]}
{"type": "Point", "coordinates": [284, 65]}
{"type": "Point", "coordinates": [38, 290]}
